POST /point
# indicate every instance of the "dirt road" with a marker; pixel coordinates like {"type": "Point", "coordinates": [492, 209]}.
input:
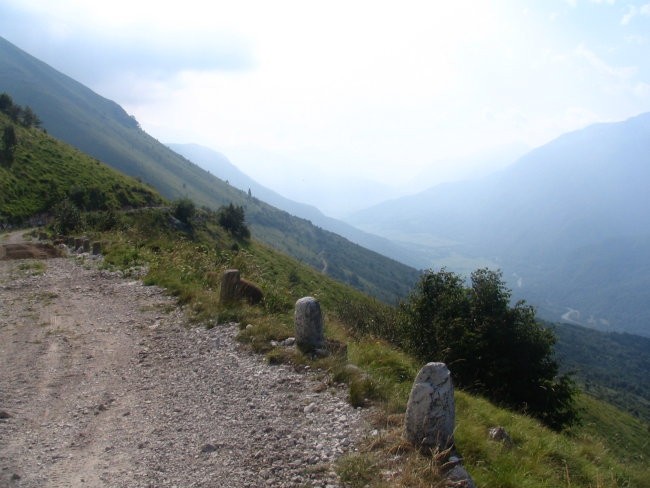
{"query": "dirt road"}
{"type": "Point", "coordinates": [102, 383]}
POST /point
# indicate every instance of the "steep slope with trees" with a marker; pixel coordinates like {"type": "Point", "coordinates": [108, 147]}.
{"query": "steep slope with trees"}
{"type": "Point", "coordinates": [104, 130]}
{"type": "Point", "coordinates": [182, 257]}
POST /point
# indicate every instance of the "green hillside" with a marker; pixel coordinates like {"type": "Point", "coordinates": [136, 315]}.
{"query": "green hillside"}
{"type": "Point", "coordinates": [44, 171]}
{"type": "Point", "coordinates": [102, 129]}
{"type": "Point", "coordinates": [609, 448]}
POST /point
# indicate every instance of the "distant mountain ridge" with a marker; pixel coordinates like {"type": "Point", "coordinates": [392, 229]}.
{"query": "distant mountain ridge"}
{"type": "Point", "coordinates": [569, 223]}
{"type": "Point", "coordinates": [101, 128]}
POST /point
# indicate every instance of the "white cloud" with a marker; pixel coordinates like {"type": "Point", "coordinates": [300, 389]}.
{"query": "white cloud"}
{"type": "Point", "coordinates": [629, 15]}
{"type": "Point", "coordinates": [621, 73]}
{"type": "Point", "coordinates": [642, 90]}
{"type": "Point", "coordinates": [636, 39]}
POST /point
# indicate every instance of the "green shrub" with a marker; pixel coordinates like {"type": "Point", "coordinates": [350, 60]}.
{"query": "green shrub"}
{"type": "Point", "coordinates": [184, 209]}
{"type": "Point", "coordinates": [66, 217]}
{"type": "Point", "coordinates": [232, 219]}
{"type": "Point", "coordinates": [491, 348]}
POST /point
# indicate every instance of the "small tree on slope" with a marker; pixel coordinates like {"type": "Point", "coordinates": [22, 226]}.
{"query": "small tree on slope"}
{"type": "Point", "coordinates": [492, 348]}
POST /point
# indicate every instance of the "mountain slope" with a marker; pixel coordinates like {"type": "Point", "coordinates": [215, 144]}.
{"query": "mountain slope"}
{"type": "Point", "coordinates": [219, 165]}
{"type": "Point", "coordinates": [568, 223]}
{"type": "Point", "coordinates": [101, 128]}
{"type": "Point", "coordinates": [44, 171]}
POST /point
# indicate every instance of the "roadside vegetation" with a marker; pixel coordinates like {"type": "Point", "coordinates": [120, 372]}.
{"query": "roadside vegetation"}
{"type": "Point", "coordinates": [372, 356]}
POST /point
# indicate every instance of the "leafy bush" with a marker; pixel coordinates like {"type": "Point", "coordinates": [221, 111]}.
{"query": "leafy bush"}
{"type": "Point", "coordinates": [88, 198]}
{"type": "Point", "coordinates": [104, 220]}
{"type": "Point", "coordinates": [67, 217]}
{"type": "Point", "coordinates": [232, 219]}
{"type": "Point", "coordinates": [184, 209]}
{"type": "Point", "coordinates": [25, 116]}
{"type": "Point", "coordinates": [491, 347]}
{"type": "Point", "coordinates": [370, 318]}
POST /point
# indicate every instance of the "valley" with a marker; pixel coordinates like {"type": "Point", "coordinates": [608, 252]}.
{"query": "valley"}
{"type": "Point", "coordinates": [567, 223]}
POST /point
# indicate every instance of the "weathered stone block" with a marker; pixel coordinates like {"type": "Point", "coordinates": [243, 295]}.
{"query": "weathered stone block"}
{"type": "Point", "coordinates": [229, 282]}
{"type": "Point", "coordinates": [234, 288]}
{"type": "Point", "coordinates": [309, 325]}
{"type": "Point", "coordinates": [430, 412]}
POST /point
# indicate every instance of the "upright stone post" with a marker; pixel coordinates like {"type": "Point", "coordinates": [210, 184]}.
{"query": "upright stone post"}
{"type": "Point", "coordinates": [97, 248]}
{"type": "Point", "coordinates": [430, 412]}
{"type": "Point", "coordinates": [309, 325]}
{"type": "Point", "coordinates": [86, 244]}
{"type": "Point", "coordinates": [229, 286]}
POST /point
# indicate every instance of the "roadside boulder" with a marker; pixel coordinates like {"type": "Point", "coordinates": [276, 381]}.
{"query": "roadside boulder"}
{"type": "Point", "coordinates": [430, 412]}
{"type": "Point", "coordinates": [499, 434]}
{"type": "Point", "coordinates": [309, 325]}
{"type": "Point", "coordinates": [234, 288]}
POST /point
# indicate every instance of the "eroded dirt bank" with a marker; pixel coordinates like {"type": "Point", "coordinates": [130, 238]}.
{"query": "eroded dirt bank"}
{"type": "Point", "coordinates": [103, 384]}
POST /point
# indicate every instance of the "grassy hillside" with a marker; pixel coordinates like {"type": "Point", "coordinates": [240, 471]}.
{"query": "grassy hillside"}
{"type": "Point", "coordinates": [609, 449]}
{"type": "Point", "coordinates": [101, 128]}
{"type": "Point", "coordinates": [44, 171]}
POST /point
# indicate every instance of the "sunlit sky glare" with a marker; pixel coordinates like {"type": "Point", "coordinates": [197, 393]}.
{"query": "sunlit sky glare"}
{"type": "Point", "coordinates": [345, 90]}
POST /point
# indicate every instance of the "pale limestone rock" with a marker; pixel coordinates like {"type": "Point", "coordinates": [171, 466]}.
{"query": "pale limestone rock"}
{"type": "Point", "coordinates": [430, 413]}
{"type": "Point", "coordinates": [499, 434]}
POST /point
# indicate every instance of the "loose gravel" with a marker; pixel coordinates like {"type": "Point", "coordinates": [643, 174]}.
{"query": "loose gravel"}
{"type": "Point", "coordinates": [103, 383]}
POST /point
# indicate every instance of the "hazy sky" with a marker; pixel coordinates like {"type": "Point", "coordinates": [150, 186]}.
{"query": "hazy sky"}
{"type": "Point", "coordinates": [400, 93]}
